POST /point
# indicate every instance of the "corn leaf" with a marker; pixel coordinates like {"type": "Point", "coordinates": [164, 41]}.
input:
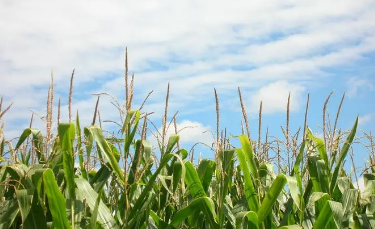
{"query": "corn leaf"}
{"type": "Point", "coordinates": [204, 204]}
{"type": "Point", "coordinates": [56, 200]}
{"type": "Point", "coordinates": [97, 135]}
{"type": "Point", "coordinates": [342, 155]}
{"type": "Point", "coordinates": [8, 213]}
{"type": "Point", "coordinates": [145, 192]}
{"type": "Point", "coordinates": [319, 143]}
{"type": "Point", "coordinates": [37, 142]}
{"type": "Point", "coordinates": [206, 169]}
{"type": "Point", "coordinates": [36, 218]}
{"type": "Point", "coordinates": [291, 227]}
{"type": "Point", "coordinates": [193, 182]}
{"type": "Point", "coordinates": [331, 211]}
{"type": "Point", "coordinates": [249, 155]}
{"type": "Point", "coordinates": [104, 215]}
{"type": "Point", "coordinates": [94, 215]}
{"type": "Point", "coordinates": [24, 199]}
{"type": "Point", "coordinates": [80, 150]}
{"type": "Point", "coordinates": [271, 197]}
{"type": "Point", "coordinates": [250, 194]}
{"type": "Point", "coordinates": [177, 173]}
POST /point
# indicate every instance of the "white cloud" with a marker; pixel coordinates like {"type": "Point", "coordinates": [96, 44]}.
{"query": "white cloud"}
{"type": "Point", "coordinates": [363, 120]}
{"type": "Point", "coordinates": [274, 97]}
{"type": "Point", "coordinates": [190, 133]}
{"type": "Point", "coordinates": [356, 84]}
{"type": "Point", "coordinates": [198, 42]}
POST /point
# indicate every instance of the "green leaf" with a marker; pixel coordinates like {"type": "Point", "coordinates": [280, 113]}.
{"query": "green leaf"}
{"type": "Point", "coordinates": [362, 221]}
{"type": "Point", "coordinates": [250, 194]}
{"type": "Point", "coordinates": [294, 192]}
{"type": "Point", "coordinates": [177, 172]}
{"type": "Point", "coordinates": [226, 159]}
{"type": "Point", "coordinates": [249, 156]}
{"type": "Point", "coordinates": [135, 162]}
{"type": "Point", "coordinates": [271, 197]}
{"type": "Point", "coordinates": [89, 140]}
{"type": "Point", "coordinates": [319, 143]}
{"type": "Point", "coordinates": [37, 142]}
{"type": "Point", "coordinates": [94, 215]}
{"type": "Point", "coordinates": [331, 210]}
{"type": "Point", "coordinates": [129, 135]}
{"type": "Point", "coordinates": [291, 227]}
{"type": "Point", "coordinates": [206, 169]}
{"type": "Point", "coordinates": [66, 135]}
{"type": "Point", "coordinates": [56, 200]}
{"type": "Point", "coordinates": [317, 201]}
{"type": "Point", "coordinates": [100, 178]}
{"type": "Point", "coordinates": [323, 174]}
{"type": "Point", "coordinates": [24, 199]}
{"type": "Point", "coordinates": [252, 220]}
{"type": "Point", "coordinates": [349, 200]}
{"type": "Point", "coordinates": [159, 222]}
{"type": "Point", "coordinates": [204, 204]}
{"type": "Point", "coordinates": [193, 182]}
{"type": "Point", "coordinates": [146, 190]}
{"type": "Point", "coordinates": [80, 150]}
{"type": "Point", "coordinates": [97, 134]}
{"type": "Point", "coordinates": [2, 147]}
{"type": "Point", "coordinates": [36, 218]}
{"type": "Point", "coordinates": [172, 141]}
{"type": "Point", "coordinates": [8, 212]}
{"type": "Point", "coordinates": [343, 153]}
{"type": "Point", "coordinates": [104, 214]}
{"type": "Point", "coordinates": [228, 213]}
{"type": "Point", "coordinates": [313, 171]}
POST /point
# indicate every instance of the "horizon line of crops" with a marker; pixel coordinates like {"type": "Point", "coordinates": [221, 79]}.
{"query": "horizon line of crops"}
{"type": "Point", "coordinates": [120, 182]}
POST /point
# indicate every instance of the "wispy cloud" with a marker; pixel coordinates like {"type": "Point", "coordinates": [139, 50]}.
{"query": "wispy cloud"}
{"type": "Point", "coordinates": [363, 120]}
{"type": "Point", "coordinates": [356, 84]}
{"type": "Point", "coordinates": [190, 132]}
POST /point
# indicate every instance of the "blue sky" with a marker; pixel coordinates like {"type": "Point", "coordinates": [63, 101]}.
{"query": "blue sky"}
{"type": "Point", "coordinates": [268, 48]}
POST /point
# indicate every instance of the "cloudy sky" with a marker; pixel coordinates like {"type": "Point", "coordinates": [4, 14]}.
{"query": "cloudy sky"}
{"type": "Point", "coordinates": [268, 48]}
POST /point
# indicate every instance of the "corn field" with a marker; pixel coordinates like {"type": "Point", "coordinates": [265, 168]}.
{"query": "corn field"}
{"type": "Point", "coordinates": [78, 177]}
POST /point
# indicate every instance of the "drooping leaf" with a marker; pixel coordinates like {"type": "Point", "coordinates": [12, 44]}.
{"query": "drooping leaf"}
{"type": "Point", "coordinates": [24, 199]}
{"type": "Point", "coordinates": [104, 215]}
{"type": "Point", "coordinates": [37, 142]}
{"type": "Point", "coordinates": [172, 141]}
{"type": "Point", "coordinates": [97, 135]}
{"type": "Point", "coordinates": [204, 204]}
{"type": "Point", "coordinates": [8, 212]}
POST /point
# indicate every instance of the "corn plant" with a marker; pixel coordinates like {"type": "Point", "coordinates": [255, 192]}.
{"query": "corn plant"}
{"type": "Point", "coordinates": [85, 178]}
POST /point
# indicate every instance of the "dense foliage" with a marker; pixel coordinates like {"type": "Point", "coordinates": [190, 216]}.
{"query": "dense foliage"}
{"type": "Point", "coordinates": [82, 178]}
